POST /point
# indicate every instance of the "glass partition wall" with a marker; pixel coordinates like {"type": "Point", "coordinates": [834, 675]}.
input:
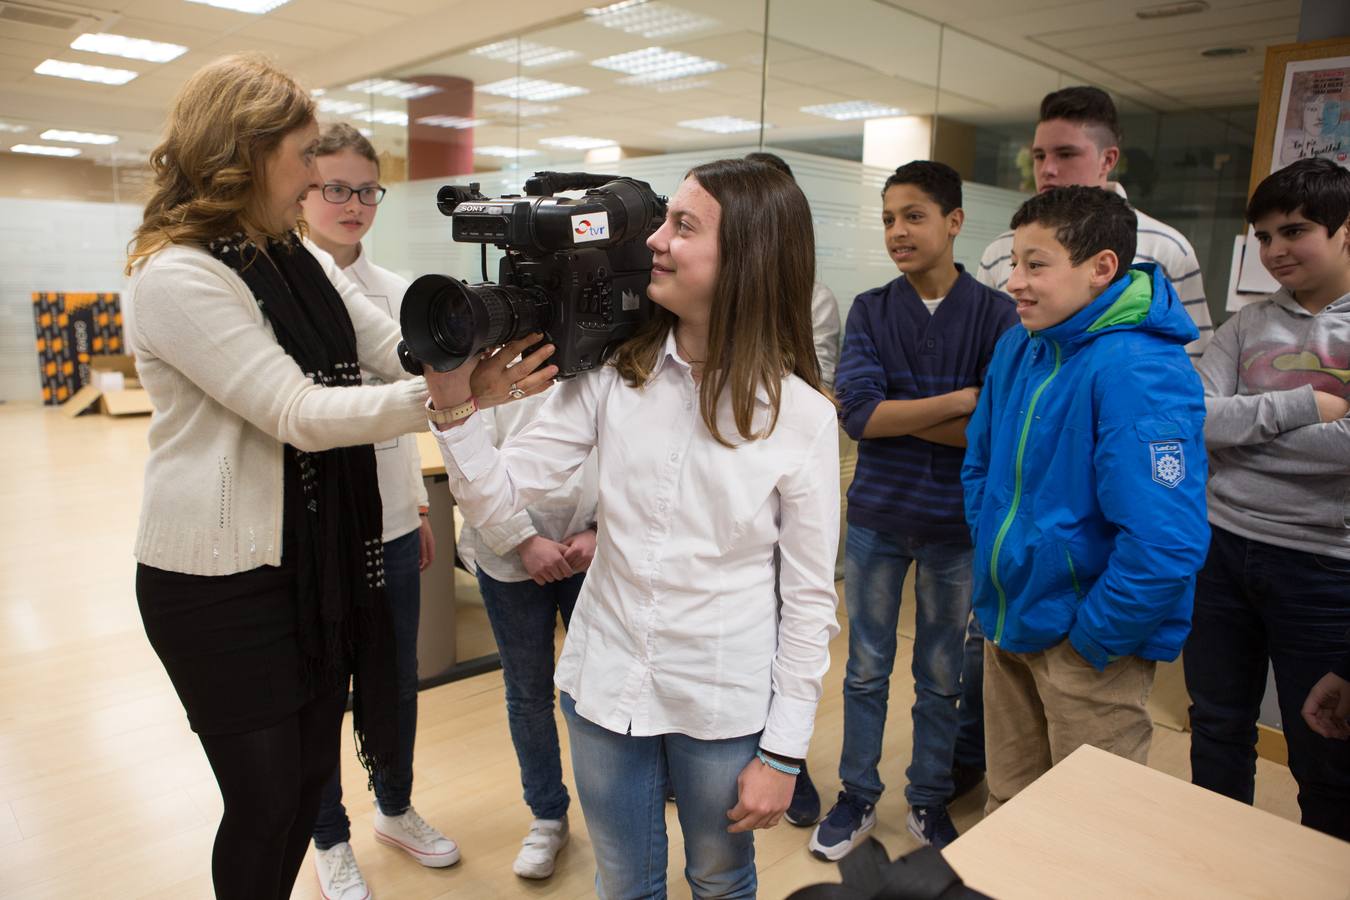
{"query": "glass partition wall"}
{"type": "Point", "coordinates": [844, 91]}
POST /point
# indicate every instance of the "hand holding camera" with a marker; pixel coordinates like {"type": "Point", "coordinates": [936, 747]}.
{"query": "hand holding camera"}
{"type": "Point", "coordinates": [503, 375]}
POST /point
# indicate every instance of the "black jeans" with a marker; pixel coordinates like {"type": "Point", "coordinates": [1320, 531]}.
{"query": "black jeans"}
{"type": "Point", "coordinates": [1254, 603]}
{"type": "Point", "coordinates": [394, 792]}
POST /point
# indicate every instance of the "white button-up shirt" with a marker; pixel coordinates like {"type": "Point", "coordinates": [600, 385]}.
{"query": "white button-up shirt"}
{"type": "Point", "coordinates": [678, 628]}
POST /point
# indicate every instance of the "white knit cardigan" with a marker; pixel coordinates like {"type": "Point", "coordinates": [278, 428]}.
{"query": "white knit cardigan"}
{"type": "Point", "coordinates": [226, 398]}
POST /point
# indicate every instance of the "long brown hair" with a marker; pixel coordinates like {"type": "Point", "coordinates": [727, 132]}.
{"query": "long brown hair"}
{"type": "Point", "coordinates": [760, 325]}
{"type": "Point", "coordinates": [208, 170]}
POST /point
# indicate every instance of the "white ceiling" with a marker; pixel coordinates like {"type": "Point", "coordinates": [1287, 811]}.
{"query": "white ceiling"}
{"type": "Point", "coordinates": [993, 62]}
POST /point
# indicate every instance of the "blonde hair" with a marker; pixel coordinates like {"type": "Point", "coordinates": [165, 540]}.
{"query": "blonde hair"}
{"type": "Point", "coordinates": [208, 170]}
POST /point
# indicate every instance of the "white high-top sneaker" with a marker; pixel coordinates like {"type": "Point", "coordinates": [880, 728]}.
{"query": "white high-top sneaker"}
{"type": "Point", "coordinates": [411, 834]}
{"type": "Point", "coordinates": [339, 877]}
{"type": "Point", "coordinates": [539, 853]}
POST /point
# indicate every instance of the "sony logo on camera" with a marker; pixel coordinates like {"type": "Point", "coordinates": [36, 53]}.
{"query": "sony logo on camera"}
{"type": "Point", "coordinates": [479, 208]}
{"type": "Point", "coordinates": [590, 227]}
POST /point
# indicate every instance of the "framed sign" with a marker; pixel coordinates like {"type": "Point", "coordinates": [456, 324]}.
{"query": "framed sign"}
{"type": "Point", "coordinates": [1305, 106]}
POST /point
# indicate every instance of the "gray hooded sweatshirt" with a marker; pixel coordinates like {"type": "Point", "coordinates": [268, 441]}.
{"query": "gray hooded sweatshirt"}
{"type": "Point", "coordinates": [1277, 473]}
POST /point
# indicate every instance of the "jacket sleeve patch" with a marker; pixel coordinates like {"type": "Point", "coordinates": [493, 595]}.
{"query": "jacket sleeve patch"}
{"type": "Point", "coordinates": [1169, 462]}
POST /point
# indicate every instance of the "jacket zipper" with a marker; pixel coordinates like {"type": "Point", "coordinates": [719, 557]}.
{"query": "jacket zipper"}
{"type": "Point", "coordinates": [1017, 497]}
{"type": "Point", "coordinates": [1073, 574]}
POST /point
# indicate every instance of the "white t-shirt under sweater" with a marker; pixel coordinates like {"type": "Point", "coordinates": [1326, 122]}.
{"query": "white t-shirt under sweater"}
{"type": "Point", "coordinates": [1158, 243]}
{"type": "Point", "coordinates": [397, 461]}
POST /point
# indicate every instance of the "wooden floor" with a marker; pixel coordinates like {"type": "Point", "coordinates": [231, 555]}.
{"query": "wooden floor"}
{"type": "Point", "coordinates": [104, 792]}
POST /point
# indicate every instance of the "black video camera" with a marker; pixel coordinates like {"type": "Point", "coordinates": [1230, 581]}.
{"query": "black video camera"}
{"type": "Point", "coordinates": [575, 270]}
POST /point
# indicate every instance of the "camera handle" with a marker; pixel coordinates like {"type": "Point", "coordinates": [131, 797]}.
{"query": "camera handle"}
{"type": "Point", "coordinates": [546, 184]}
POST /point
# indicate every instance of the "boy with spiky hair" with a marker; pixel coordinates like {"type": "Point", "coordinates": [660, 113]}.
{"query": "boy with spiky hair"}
{"type": "Point", "coordinates": [1275, 590]}
{"type": "Point", "coordinates": [1084, 489]}
{"type": "Point", "coordinates": [915, 352]}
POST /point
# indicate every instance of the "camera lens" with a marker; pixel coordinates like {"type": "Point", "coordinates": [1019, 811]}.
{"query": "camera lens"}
{"type": "Point", "coordinates": [445, 321]}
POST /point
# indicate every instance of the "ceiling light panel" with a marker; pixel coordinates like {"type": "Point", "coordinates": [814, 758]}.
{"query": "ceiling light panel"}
{"type": "Point", "coordinates": [12, 129]}
{"type": "Point", "coordinates": [653, 64]}
{"type": "Point", "coordinates": [388, 87]}
{"type": "Point", "coordinates": [722, 124]}
{"type": "Point", "coordinates": [652, 20]}
{"type": "Point", "coordinates": [382, 117]}
{"type": "Point", "coordinates": [521, 108]}
{"type": "Point", "coordinates": [340, 107]}
{"type": "Point", "coordinates": [81, 72]}
{"type": "Point", "coordinates": [252, 7]}
{"type": "Point", "coordinates": [525, 53]}
{"type": "Point", "coordinates": [577, 142]}
{"type": "Point", "coordinates": [78, 137]}
{"type": "Point", "coordinates": [42, 150]}
{"type": "Point", "coordinates": [504, 152]}
{"type": "Point", "coordinates": [532, 89]}
{"type": "Point", "coordinates": [459, 122]}
{"type": "Point", "coordinates": [849, 110]}
{"type": "Point", "coordinates": [129, 47]}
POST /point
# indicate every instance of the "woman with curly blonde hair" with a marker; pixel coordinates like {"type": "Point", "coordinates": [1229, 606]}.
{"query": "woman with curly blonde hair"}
{"type": "Point", "coordinates": [260, 577]}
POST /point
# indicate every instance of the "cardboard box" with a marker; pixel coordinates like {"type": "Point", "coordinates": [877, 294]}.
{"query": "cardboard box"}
{"type": "Point", "coordinates": [112, 389]}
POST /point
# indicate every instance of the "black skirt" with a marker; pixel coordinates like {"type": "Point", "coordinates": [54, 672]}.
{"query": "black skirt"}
{"type": "Point", "coordinates": [229, 644]}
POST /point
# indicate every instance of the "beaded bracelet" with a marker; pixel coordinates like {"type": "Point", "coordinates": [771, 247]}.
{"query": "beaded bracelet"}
{"type": "Point", "coordinates": [776, 765]}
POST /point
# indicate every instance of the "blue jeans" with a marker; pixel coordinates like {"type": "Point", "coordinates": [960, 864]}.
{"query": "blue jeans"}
{"type": "Point", "coordinates": [1255, 602]}
{"type": "Point", "coordinates": [402, 587]}
{"type": "Point", "coordinates": [524, 616]}
{"type": "Point", "coordinates": [621, 781]}
{"type": "Point", "coordinates": [874, 570]}
{"type": "Point", "coordinates": [970, 713]}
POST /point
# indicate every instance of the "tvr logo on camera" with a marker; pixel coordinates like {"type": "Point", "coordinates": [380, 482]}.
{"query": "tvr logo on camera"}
{"type": "Point", "coordinates": [590, 227]}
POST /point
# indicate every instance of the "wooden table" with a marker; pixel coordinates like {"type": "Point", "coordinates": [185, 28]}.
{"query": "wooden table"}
{"type": "Point", "coordinates": [1101, 826]}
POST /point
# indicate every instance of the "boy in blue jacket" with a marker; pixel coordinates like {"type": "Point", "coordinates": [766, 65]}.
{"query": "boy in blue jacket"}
{"type": "Point", "coordinates": [1084, 490]}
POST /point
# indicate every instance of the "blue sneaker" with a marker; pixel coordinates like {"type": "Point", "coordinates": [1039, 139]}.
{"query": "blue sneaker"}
{"type": "Point", "coordinates": [804, 811]}
{"type": "Point", "coordinates": [932, 825]}
{"type": "Point", "coordinates": [843, 829]}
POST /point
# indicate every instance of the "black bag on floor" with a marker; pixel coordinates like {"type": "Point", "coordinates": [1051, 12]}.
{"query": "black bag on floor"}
{"type": "Point", "coordinates": [869, 874]}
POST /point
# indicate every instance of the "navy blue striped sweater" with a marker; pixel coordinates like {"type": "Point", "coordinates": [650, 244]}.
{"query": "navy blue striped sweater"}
{"type": "Point", "coordinates": [894, 350]}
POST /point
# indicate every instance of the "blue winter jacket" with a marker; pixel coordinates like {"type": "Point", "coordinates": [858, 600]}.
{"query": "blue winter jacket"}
{"type": "Point", "coordinates": [1085, 479]}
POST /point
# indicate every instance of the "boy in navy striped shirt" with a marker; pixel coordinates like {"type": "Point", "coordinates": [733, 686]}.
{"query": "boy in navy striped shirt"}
{"type": "Point", "coordinates": [914, 355]}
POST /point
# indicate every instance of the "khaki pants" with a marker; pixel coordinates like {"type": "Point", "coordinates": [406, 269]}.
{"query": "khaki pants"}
{"type": "Point", "coordinates": [1040, 707]}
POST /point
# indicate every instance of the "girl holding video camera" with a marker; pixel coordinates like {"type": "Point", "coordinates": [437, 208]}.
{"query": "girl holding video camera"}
{"type": "Point", "coordinates": [716, 446]}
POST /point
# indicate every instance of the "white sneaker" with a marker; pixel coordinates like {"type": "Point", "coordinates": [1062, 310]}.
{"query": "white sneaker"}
{"type": "Point", "coordinates": [410, 833]}
{"type": "Point", "coordinates": [339, 877]}
{"type": "Point", "coordinates": [540, 851]}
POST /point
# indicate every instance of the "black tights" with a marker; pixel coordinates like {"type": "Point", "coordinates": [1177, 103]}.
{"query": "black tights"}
{"type": "Point", "coordinates": [270, 780]}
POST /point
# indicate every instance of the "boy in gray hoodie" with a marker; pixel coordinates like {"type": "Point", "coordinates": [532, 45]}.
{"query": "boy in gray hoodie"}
{"type": "Point", "coordinates": [1276, 584]}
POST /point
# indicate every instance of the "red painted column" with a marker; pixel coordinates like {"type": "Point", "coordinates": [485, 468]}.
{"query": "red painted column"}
{"type": "Point", "coordinates": [433, 151]}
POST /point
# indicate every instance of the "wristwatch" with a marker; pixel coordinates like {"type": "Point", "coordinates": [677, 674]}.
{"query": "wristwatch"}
{"type": "Point", "coordinates": [453, 414]}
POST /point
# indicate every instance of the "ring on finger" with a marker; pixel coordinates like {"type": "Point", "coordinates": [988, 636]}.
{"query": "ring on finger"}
{"type": "Point", "coordinates": [515, 393]}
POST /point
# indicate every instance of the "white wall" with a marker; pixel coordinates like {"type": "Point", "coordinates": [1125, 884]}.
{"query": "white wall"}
{"type": "Point", "coordinates": [52, 245]}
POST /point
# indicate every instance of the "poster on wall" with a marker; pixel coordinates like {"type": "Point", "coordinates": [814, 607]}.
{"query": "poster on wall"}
{"type": "Point", "coordinates": [71, 328]}
{"type": "Point", "coordinates": [1314, 119]}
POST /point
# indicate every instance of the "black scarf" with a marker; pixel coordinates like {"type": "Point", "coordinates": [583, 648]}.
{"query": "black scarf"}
{"type": "Point", "coordinates": [343, 616]}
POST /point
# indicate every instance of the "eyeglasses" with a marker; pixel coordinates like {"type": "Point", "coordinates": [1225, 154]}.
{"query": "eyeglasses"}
{"type": "Point", "coordinates": [339, 193]}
